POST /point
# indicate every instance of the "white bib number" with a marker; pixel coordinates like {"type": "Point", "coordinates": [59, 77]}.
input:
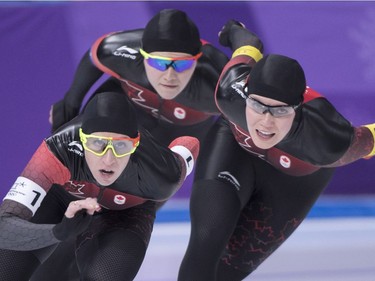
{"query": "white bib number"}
{"type": "Point", "coordinates": [186, 155]}
{"type": "Point", "coordinates": [26, 192]}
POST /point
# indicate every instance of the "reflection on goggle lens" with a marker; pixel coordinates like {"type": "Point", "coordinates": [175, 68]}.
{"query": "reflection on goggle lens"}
{"type": "Point", "coordinates": [276, 111]}
{"type": "Point", "coordinates": [100, 145]}
{"type": "Point", "coordinates": [162, 63]}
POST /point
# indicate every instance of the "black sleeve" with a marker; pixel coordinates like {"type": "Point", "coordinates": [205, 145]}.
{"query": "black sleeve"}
{"type": "Point", "coordinates": [117, 54]}
{"type": "Point", "coordinates": [231, 92]}
{"type": "Point", "coordinates": [154, 170]}
{"type": "Point", "coordinates": [319, 135]}
{"type": "Point", "coordinates": [84, 78]}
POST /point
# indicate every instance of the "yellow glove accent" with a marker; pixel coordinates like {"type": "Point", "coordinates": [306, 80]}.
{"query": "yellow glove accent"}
{"type": "Point", "coordinates": [248, 51]}
{"type": "Point", "coordinates": [371, 127]}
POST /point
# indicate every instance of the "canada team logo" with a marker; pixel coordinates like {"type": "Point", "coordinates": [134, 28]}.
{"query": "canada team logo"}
{"type": "Point", "coordinates": [285, 161]}
{"type": "Point", "coordinates": [74, 188]}
{"type": "Point", "coordinates": [179, 113]}
{"type": "Point", "coordinates": [119, 199]}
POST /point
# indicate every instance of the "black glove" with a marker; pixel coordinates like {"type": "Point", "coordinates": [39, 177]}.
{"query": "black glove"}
{"type": "Point", "coordinates": [69, 228]}
{"type": "Point", "coordinates": [235, 35]}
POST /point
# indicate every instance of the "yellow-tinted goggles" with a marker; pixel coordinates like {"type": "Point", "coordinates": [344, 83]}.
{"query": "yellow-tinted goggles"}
{"type": "Point", "coordinates": [99, 145]}
{"type": "Point", "coordinates": [163, 63]}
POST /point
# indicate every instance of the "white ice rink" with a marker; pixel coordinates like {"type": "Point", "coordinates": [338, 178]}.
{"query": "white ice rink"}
{"type": "Point", "coordinates": [338, 246]}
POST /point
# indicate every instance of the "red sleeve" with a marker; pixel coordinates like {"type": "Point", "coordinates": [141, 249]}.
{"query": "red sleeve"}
{"type": "Point", "coordinates": [45, 169]}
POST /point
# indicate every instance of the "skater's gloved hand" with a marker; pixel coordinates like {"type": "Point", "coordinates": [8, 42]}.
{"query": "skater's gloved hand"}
{"type": "Point", "coordinates": [235, 35]}
{"type": "Point", "coordinates": [77, 218]}
{"type": "Point", "coordinates": [371, 127]}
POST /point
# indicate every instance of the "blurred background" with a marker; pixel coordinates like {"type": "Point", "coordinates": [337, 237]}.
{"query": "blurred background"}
{"type": "Point", "coordinates": [42, 42]}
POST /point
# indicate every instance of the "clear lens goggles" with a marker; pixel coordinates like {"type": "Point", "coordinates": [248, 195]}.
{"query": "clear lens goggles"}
{"type": "Point", "coordinates": [162, 63]}
{"type": "Point", "coordinates": [275, 111]}
{"type": "Point", "coordinates": [100, 145]}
